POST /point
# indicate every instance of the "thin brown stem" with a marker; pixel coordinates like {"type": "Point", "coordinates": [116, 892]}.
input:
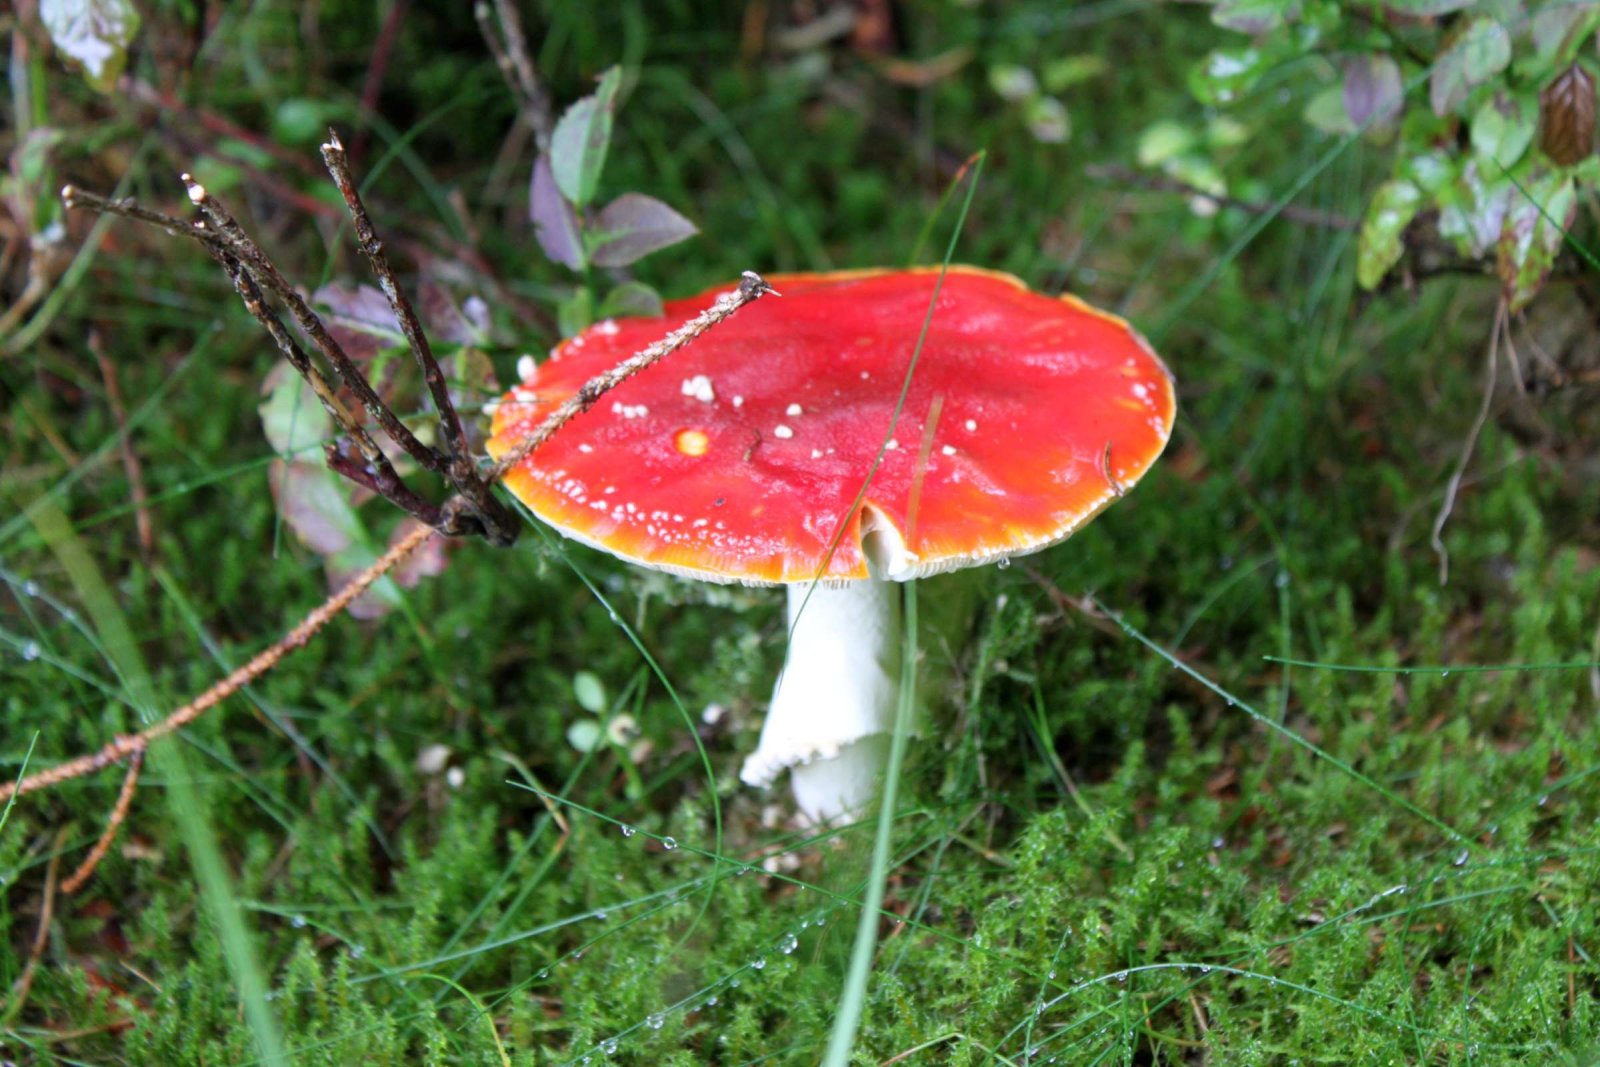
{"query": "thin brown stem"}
{"type": "Point", "coordinates": [123, 747]}
{"type": "Point", "coordinates": [371, 246]}
{"type": "Point", "coordinates": [1502, 326]}
{"type": "Point", "coordinates": [119, 814]}
{"type": "Point", "coordinates": [143, 525]}
{"type": "Point", "coordinates": [509, 46]}
{"type": "Point", "coordinates": [268, 277]}
{"type": "Point", "coordinates": [41, 935]}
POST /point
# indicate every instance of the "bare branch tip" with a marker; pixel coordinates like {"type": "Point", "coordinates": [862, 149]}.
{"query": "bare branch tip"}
{"type": "Point", "coordinates": [754, 285]}
{"type": "Point", "coordinates": [68, 195]}
{"type": "Point", "coordinates": [197, 192]}
{"type": "Point", "coordinates": [333, 143]}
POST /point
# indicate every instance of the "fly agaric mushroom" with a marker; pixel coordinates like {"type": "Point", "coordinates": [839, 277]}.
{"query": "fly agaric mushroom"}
{"type": "Point", "coordinates": [741, 460]}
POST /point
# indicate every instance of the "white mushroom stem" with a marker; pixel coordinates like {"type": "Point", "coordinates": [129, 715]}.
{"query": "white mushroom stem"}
{"type": "Point", "coordinates": [833, 710]}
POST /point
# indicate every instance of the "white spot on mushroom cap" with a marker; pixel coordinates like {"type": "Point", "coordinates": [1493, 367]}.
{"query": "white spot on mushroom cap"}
{"type": "Point", "coordinates": [948, 450]}
{"type": "Point", "coordinates": [972, 425]}
{"type": "Point", "coordinates": [782, 431]}
{"type": "Point", "coordinates": [586, 448]}
{"type": "Point", "coordinates": [793, 409]}
{"type": "Point", "coordinates": [607, 327]}
{"type": "Point", "coordinates": [630, 411]}
{"type": "Point", "coordinates": [738, 401]}
{"type": "Point", "coordinates": [526, 367]}
{"type": "Point", "coordinates": [699, 387]}
{"type": "Point", "coordinates": [892, 445]}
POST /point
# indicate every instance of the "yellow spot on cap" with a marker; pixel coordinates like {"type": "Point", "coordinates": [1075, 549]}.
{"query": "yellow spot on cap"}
{"type": "Point", "coordinates": [692, 442]}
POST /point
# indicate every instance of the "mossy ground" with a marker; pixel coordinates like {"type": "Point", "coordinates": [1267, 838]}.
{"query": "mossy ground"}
{"type": "Point", "coordinates": [1132, 838]}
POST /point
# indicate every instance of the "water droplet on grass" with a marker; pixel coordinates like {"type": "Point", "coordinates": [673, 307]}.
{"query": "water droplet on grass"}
{"type": "Point", "coordinates": [759, 963]}
{"type": "Point", "coordinates": [30, 588]}
{"type": "Point", "coordinates": [656, 1021]}
{"type": "Point", "coordinates": [669, 843]}
{"type": "Point", "coordinates": [609, 1046]}
{"type": "Point", "coordinates": [30, 650]}
{"type": "Point", "coordinates": [1461, 860]}
{"type": "Point", "coordinates": [297, 921]}
{"type": "Point", "coordinates": [1005, 563]}
{"type": "Point", "coordinates": [788, 944]}
{"type": "Point", "coordinates": [628, 831]}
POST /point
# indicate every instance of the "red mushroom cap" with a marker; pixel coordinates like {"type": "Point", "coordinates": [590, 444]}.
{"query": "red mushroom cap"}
{"type": "Point", "coordinates": [740, 457]}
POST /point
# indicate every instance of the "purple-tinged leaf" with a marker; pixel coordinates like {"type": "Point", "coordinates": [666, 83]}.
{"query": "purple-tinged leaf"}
{"type": "Point", "coordinates": [555, 223]}
{"type": "Point", "coordinates": [315, 504]}
{"type": "Point", "coordinates": [634, 225]}
{"type": "Point", "coordinates": [1372, 89]}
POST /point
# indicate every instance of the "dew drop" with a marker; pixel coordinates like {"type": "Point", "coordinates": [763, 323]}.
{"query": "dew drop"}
{"type": "Point", "coordinates": [1444, 674]}
{"type": "Point", "coordinates": [297, 921]}
{"type": "Point", "coordinates": [1281, 580]}
{"type": "Point", "coordinates": [602, 915]}
{"type": "Point", "coordinates": [788, 944]}
{"type": "Point", "coordinates": [30, 650]}
{"type": "Point", "coordinates": [1461, 860]}
{"type": "Point", "coordinates": [656, 1021]}
{"type": "Point", "coordinates": [759, 963]}
{"type": "Point", "coordinates": [1052, 976]}
{"type": "Point", "coordinates": [30, 588]}
{"type": "Point", "coordinates": [669, 843]}
{"type": "Point", "coordinates": [1121, 976]}
{"type": "Point", "coordinates": [1544, 800]}
{"type": "Point", "coordinates": [628, 831]}
{"type": "Point", "coordinates": [711, 1001]}
{"type": "Point", "coordinates": [1005, 563]}
{"type": "Point", "coordinates": [357, 951]}
{"type": "Point", "coordinates": [609, 1046]}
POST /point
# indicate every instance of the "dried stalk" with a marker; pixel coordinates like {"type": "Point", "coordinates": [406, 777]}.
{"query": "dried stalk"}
{"type": "Point", "coordinates": [751, 287]}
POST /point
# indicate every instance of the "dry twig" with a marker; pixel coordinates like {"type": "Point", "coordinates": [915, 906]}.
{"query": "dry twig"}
{"type": "Point", "coordinates": [1502, 327]}
{"type": "Point", "coordinates": [472, 509]}
{"type": "Point", "coordinates": [509, 46]}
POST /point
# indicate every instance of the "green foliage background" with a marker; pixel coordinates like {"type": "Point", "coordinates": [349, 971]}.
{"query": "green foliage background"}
{"type": "Point", "coordinates": [1132, 839]}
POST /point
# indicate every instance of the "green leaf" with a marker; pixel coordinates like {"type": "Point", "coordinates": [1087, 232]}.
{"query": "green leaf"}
{"type": "Point", "coordinates": [589, 690]}
{"type": "Point", "coordinates": [1254, 16]}
{"type": "Point", "coordinates": [1226, 74]}
{"type": "Point", "coordinates": [575, 313]}
{"type": "Point", "coordinates": [1164, 140]}
{"type": "Point", "coordinates": [1326, 112]}
{"type": "Point", "coordinates": [1503, 128]}
{"type": "Point", "coordinates": [1012, 82]}
{"type": "Point", "coordinates": [1535, 229]}
{"type": "Point", "coordinates": [1477, 53]}
{"type": "Point", "coordinates": [1426, 8]}
{"type": "Point", "coordinates": [632, 300]}
{"type": "Point", "coordinates": [1064, 73]}
{"type": "Point", "coordinates": [93, 33]}
{"type": "Point", "coordinates": [1047, 120]}
{"type": "Point", "coordinates": [1382, 241]}
{"type": "Point", "coordinates": [578, 145]}
{"type": "Point", "coordinates": [293, 419]}
{"type": "Point", "coordinates": [585, 735]}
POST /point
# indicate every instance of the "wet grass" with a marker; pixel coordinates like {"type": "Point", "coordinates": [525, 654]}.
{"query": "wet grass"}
{"type": "Point", "coordinates": [1211, 783]}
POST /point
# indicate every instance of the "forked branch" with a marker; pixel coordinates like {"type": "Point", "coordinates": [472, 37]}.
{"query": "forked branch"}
{"type": "Point", "coordinates": [751, 287]}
